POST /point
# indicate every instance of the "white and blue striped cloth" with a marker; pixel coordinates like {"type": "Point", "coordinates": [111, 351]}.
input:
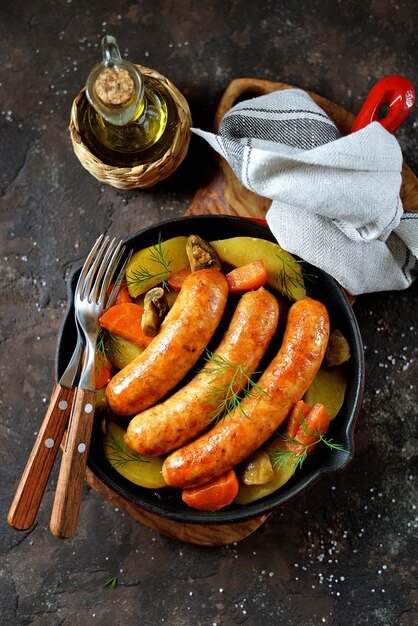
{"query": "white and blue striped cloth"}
{"type": "Point", "coordinates": [335, 199]}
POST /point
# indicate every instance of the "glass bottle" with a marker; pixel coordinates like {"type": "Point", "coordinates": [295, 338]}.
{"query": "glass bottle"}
{"type": "Point", "coordinates": [128, 118]}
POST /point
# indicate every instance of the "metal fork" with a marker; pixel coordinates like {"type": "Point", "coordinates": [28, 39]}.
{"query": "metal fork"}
{"type": "Point", "coordinates": [90, 301]}
{"type": "Point", "coordinates": [28, 496]}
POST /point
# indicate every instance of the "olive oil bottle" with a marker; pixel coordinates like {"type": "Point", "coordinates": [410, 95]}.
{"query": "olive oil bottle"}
{"type": "Point", "coordinates": [128, 118]}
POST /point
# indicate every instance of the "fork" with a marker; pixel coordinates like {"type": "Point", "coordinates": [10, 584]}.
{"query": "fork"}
{"type": "Point", "coordinates": [31, 488]}
{"type": "Point", "coordinates": [90, 301]}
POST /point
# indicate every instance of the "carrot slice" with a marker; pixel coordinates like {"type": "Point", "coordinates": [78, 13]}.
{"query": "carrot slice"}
{"type": "Point", "coordinates": [176, 280]}
{"type": "Point", "coordinates": [297, 415]}
{"type": "Point", "coordinates": [124, 320]}
{"type": "Point", "coordinates": [310, 430]}
{"type": "Point", "coordinates": [246, 277]}
{"type": "Point", "coordinates": [213, 495]}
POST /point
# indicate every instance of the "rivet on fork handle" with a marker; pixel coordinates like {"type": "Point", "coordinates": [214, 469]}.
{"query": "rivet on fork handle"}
{"type": "Point", "coordinates": [69, 491]}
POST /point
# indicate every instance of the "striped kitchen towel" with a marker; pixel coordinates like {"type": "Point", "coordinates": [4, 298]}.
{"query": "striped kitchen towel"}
{"type": "Point", "coordinates": [335, 200]}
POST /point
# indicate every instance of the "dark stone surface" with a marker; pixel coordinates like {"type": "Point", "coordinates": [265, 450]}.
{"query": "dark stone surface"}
{"type": "Point", "coordinates": [346, 552]}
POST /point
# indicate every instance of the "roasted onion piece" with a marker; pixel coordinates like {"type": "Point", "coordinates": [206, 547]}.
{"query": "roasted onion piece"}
{"type": "Point", "coordinates": [258, 470]}
{"type": "Point", "coordinates": [338, 349]}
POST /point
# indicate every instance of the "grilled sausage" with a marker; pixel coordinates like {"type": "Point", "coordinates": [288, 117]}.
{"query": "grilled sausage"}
{"type": "Point", "coordinates": [185, 414]}
{"type": "Point", "coordinates": [246, 428]}
{"type": "Point", "coordinates": [183, 336]}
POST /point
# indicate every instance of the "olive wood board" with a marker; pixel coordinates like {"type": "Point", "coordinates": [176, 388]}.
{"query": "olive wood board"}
{"type": "Point", "coordinates": [223, 194]}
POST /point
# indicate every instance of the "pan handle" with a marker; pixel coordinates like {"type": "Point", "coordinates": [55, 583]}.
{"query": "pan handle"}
{"type": "Point", "coordinates": [394, 92]}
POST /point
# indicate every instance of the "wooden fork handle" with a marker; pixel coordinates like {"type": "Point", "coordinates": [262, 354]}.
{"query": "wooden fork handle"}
{"type": "Point", "coordinates": [67, 501]}
{"type": "Point", "coordinates": [28, 497]}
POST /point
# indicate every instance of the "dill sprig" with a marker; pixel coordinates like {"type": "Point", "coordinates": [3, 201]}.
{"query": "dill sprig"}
{"type": "Point", "coordinates": [290, 277]}
{"type": "Point", "coordinates": [120, 455]}
{"type": "Point", "coordinates": [282, 456]}
{"type": "Point", "coordinates": [142, 275]}
{"type": "Point", "coordinates": [106, 345]}
{"type": "Point", "coordinates": [111, 582]}
{"type": "Point", "coordinates": [228, 396]}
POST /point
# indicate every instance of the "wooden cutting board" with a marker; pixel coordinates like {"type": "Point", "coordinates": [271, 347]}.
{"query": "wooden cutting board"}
{"type": "Point", "coordinates": [223, 194]}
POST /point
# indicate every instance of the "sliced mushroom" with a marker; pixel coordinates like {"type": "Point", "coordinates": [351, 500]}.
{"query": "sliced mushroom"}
{"type": "Point", "coordinates": [155, 309]}
{"type": "Point", "coordinates": [258, 470]}
{"type": "Point", "coordinates": [201, 254]}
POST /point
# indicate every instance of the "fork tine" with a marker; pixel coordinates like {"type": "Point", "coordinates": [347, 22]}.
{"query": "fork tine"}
{"type": "Point", "coordinates": [119, 277]}
{"type": "Point", "coordinates": [109, 273]}
{"type": "Point", "coordinates": [94, 252]}
{"type": "Point", "coordinates": [89, 275]}
{"type": "Point", "coordinates": [103, 271]}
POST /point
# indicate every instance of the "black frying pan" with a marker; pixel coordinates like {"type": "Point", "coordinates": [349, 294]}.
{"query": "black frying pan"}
{"type": "Point", "coordinates": [167, 502]}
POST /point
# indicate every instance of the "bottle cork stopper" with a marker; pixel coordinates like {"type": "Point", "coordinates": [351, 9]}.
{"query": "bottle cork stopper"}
{"type": "Point", "coordinates": [114, 86]}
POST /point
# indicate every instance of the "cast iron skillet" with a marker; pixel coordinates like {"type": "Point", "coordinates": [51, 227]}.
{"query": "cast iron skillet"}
{"type": "Point", "coordinates": [167, 502]}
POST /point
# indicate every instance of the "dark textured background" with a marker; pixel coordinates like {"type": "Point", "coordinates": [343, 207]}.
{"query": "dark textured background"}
{"type": "Point", "coordinates": [346, 552]}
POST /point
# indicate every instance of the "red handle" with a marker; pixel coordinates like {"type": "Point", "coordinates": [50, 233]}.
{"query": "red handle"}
{"type": "Point", "coordinates": [397, 93]}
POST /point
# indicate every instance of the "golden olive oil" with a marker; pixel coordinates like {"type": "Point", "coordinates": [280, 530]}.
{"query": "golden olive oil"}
{"type": "Point", "coordinates": [127, 119]}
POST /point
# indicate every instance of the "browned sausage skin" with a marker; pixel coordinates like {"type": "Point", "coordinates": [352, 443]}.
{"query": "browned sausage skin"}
{"type": "Point", "coordinates": [170, 424]}
{"type": "Point", "coordinates": [285, 381]}
{"type": "Point", "coordinates": [183, 336]}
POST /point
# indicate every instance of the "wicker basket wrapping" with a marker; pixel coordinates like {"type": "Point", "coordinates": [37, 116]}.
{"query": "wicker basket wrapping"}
{"type": "Point", "coordinates": [144, 175]}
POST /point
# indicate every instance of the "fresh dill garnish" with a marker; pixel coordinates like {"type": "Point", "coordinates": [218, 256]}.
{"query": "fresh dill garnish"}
{"type": "Point", "coordinates": [228, 396]}
{"type": "Point", "coordinates": [120, 455]}
{"type": "Point", "coordinates": [111, 582]}
{"type": "Point", "coordinates": [292, 276]}
{"type": "Point", "coordinates": [158, 255]}
{"type": "Point", "coordinates": [106, 345]}
{"type": "Point", "coordinates": [282, 456]}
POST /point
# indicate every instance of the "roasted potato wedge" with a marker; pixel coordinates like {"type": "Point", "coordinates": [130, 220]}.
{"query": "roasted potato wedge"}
{"type": "Point", "coordinates": [144, 471]}
{"type": "Point", "coordinates": [328, 388]}
{"type": "Point", "coordinates": [150, 266]}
